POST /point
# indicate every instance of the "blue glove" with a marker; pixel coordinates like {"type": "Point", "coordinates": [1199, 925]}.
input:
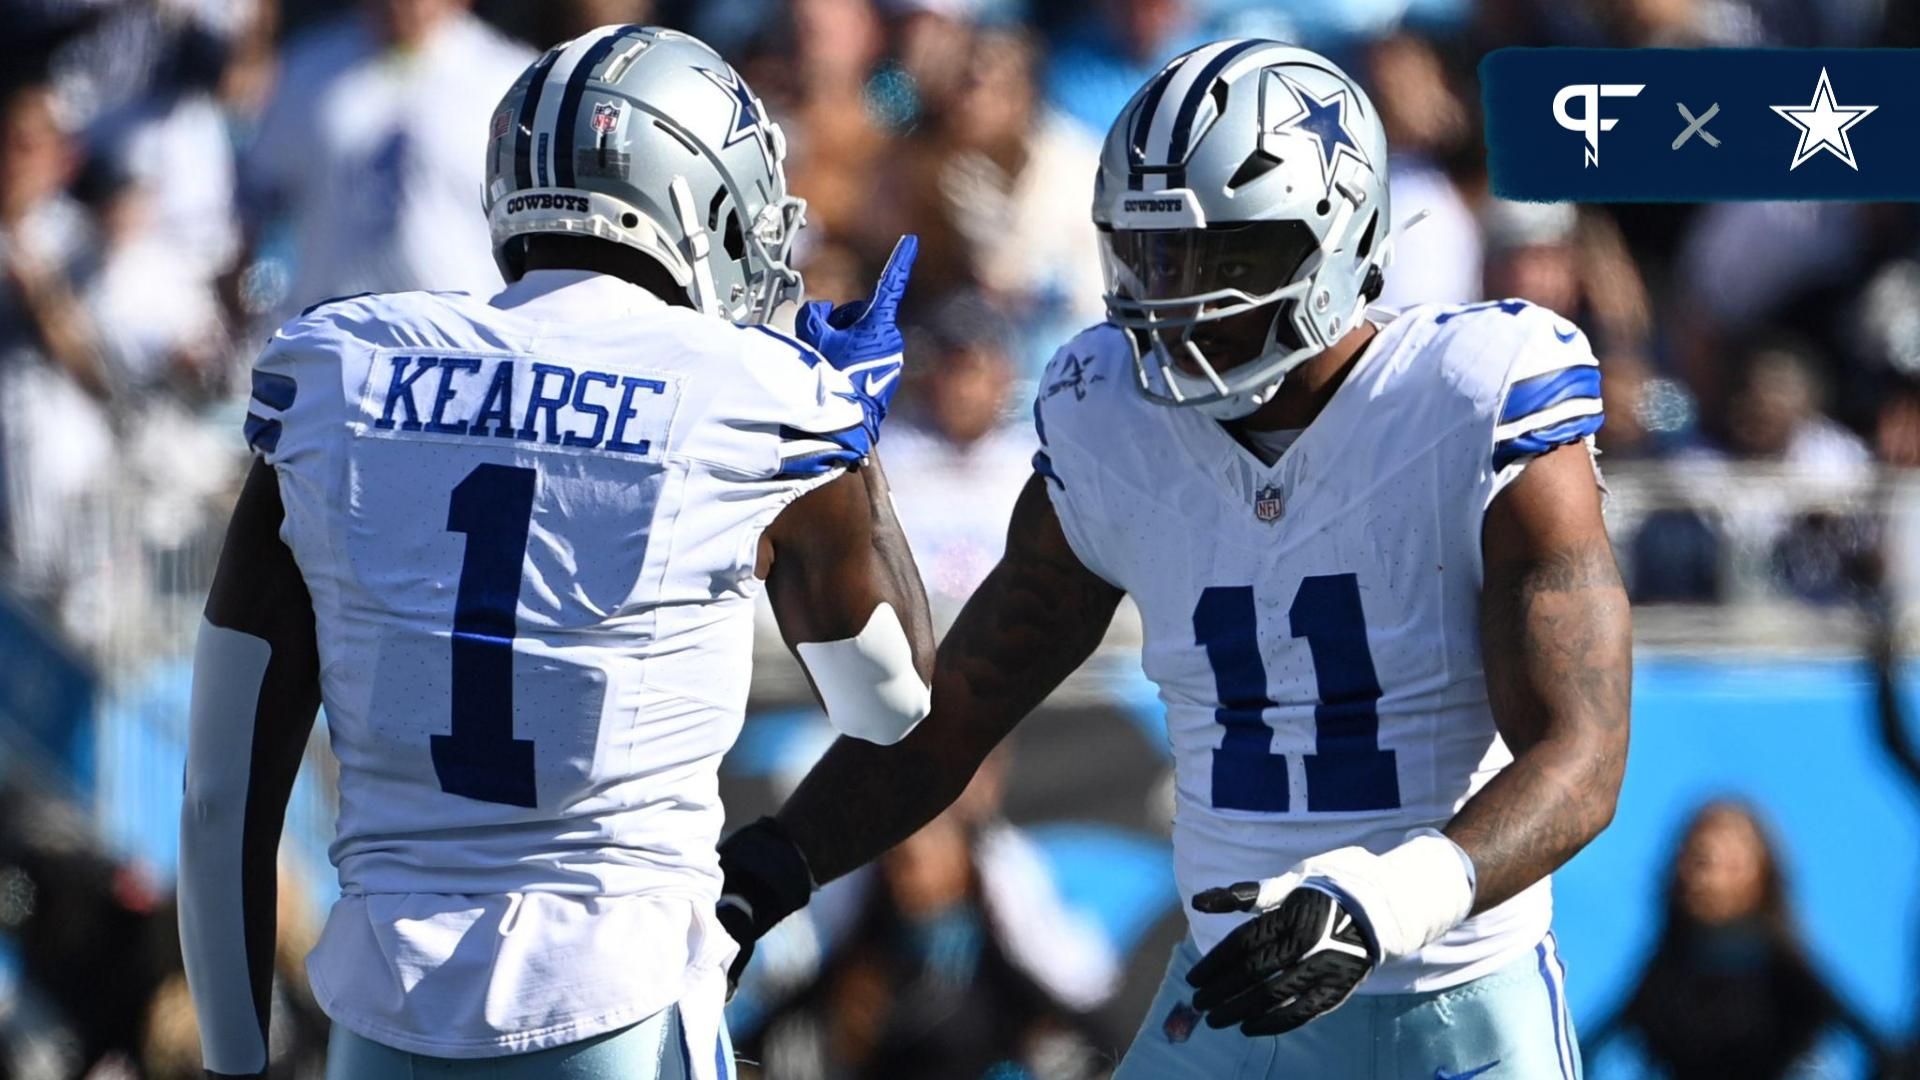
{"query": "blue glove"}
{"type": "Point", "coordinates": [860, 339]}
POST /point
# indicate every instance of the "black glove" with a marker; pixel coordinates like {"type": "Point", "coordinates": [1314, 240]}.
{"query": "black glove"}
{"type": "Point", "coordinates": [767, 879]}
{"type": "Point", "coordinates": [1284, 966]}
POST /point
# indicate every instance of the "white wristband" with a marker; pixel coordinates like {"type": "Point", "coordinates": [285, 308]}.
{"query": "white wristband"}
{"type": "Point", "coordinates": [1409, 896]}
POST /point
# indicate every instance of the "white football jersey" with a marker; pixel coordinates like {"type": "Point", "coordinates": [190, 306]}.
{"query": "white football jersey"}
{"type": "Point", "coordinates": [529, 526]}
{"type": "Point", "coordinates": [1312, 625]}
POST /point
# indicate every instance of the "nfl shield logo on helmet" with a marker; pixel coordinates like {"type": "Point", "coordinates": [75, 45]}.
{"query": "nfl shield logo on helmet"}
{"type": "Point", "coordinates": [1266, 504]}
{"type": "Point", "coordinates": [606, 117]}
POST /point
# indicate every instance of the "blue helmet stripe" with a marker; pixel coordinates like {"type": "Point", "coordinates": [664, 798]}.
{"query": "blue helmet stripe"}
{"type": "Point", "coordinates": [566, 122]}
{"type": "Point", "coordinates": [523, 124]}
{"type": "Point", "coordinates": [1177, 148]}
{"type": "Point", "coordinates": [1149, 105]}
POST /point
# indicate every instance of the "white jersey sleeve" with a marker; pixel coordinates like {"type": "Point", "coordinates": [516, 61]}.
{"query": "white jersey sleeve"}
{"type": "Point", "coordinates": [791, 415]}
{"type": "Point", "coordinates": [296, 394]}
{"type": "Point", "coordinates": [1074, 403]}
{"type": "Point", "coordinates": [1531, 377]}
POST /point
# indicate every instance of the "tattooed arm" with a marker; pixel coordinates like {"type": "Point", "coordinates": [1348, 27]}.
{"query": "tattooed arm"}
{"type": "Point", "coordinates": [1036, 618]}
{"type": "Point", "coordinates": [1038, 615]}
{"type": "Point", "coordinates": [1557, 645]}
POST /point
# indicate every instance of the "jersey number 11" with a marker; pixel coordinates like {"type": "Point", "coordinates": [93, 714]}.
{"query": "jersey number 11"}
{"type": "Point", "coordinates": [1348, 770]}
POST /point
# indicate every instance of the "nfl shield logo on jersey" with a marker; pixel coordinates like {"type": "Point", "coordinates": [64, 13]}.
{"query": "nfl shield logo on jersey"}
{"type": "Point", "coordinates": [606, 116]}
{"type": "Point", "coordinates": [1266, 504]}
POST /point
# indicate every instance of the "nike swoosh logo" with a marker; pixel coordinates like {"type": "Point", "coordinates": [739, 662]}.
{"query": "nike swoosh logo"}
{"type": "Point", "coordinates": [1565, 339]}
{"type": "Point", "coordinates": [877, 383]}
{"type": "Point", "coordinates": [1442, 1074]}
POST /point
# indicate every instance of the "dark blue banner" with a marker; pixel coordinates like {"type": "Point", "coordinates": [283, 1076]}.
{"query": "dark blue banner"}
{"type": "Point", "coordinates": [1703, 125]}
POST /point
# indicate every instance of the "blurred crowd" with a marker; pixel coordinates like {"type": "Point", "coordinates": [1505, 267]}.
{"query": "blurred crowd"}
{"type": "Point", "coordinates": [176, 176]}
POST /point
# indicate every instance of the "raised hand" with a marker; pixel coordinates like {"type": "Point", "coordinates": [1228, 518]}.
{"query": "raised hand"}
{"type": "Point", "coordinates": [860, 337]}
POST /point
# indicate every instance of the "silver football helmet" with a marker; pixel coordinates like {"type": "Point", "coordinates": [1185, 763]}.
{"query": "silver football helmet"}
{"type": "Point", "coordinates": [645, 137]}
{"type": "Point", "coordinates": [1242, 206]}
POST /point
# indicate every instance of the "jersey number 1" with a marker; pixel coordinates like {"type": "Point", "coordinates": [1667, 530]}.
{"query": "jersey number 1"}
{"type": "Point", "coordinates": [481, 759]}
{"type": "Point", "coordinates": [1347, 770]}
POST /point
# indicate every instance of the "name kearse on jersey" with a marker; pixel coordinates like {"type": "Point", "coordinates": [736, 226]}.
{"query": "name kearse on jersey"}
{"type": "Point", "coordinates": [517, 397]}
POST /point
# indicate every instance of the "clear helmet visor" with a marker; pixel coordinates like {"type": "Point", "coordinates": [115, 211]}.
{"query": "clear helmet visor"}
{"type": "Point", "coordinates": [1206, 268]}
{"type": "Point", "coordinates": [1203, 305]}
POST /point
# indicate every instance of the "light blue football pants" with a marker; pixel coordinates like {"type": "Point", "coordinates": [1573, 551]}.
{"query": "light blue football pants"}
{"type": "Point", "coordinates": [1510, 1025]}
{"type": "Point", "coordinates": [653, 1049]}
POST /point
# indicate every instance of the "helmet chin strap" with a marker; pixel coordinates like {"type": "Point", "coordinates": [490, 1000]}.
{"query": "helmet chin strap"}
{"type": "Point", "coordinates": [1248, 401]}
{"type": "Point", "coordinates": [697, 247]}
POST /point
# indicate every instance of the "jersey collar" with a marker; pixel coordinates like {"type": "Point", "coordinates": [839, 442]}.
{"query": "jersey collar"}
{"type": "Point", "coordinates": [575, 295]}
{"type": "Point", "coordinates": [1240, 472]}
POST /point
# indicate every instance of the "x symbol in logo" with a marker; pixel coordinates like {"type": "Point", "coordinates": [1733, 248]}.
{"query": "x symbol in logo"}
{"type": "Point", "coordinates": [1696, 126]}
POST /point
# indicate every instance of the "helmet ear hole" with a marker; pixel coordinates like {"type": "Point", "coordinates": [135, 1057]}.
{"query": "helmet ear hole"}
{"type": "Point", "coordinates": [629, 220]}
{"type": "Point", "coordinates": [1258, 164]}
{"type": "Point", "coordinates": [734, 240]}
{"type": "Point", "coordinates": [1366, 238]}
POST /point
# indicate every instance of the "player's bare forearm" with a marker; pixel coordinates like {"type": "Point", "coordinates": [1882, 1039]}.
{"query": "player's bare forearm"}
{"type": "Point", "coordinates": [837, 553]}
{"type": "Point", "coordinates": [896, 561]}
{"type": "Point", "coordinates": [1036, 618]}
{"type": "Point", "coordinates": [1556, 638]}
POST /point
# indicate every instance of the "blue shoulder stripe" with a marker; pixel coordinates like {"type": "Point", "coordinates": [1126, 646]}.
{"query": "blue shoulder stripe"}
{"type": "Point", "coordinates": [849, 445]}
{"type": "Point", "coordinates": [853, 437]}
{"type": "Point", "coordinates": [806, 351]}
{"type": "Point", "coordinates": [1545, 439]}
{"type": "Point", "coordinates": [262, 434]}
{"type": "Point", "coordinates": [1529, 396]}
{"type": "Point", "coordinates": [274, 390]}
{"type": "Point", "coordinates": [311, 308]}
{"type": "Point", "coordinates": [816, 464]}
{"type": "Point", "coordinates": [1043, 464]}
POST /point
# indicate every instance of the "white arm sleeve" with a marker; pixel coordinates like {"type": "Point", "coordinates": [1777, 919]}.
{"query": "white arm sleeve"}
{"type": "Point", "coordinates": [228, 670]}
{"type": "Point", "coordinates": [868, 683]}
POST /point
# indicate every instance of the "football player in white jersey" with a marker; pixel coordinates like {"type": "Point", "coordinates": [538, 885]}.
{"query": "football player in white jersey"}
{"type": "Point", "coordinates": [1375, 592]}
{"type": "Point", "coordinates": [513, 544]}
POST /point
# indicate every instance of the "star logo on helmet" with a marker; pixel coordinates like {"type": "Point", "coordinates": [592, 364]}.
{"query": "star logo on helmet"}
{"type": "Point", "coordinates": [746, 111]}
{"type": "Point", "coordinates": [1322, 119]}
